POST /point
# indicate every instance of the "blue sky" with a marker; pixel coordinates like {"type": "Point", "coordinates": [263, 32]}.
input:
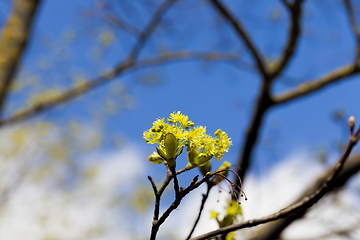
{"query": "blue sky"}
{"type": "Point", "coordinates": [216, 95]}
{"type": "Point", "coordinates": [67, 38]}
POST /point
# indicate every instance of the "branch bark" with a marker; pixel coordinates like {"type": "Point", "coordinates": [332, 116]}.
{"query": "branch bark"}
{"type": "Point", "coordinates": [243, 34]}
{"type": "Point", "coordinates": [354, 27]}
{"type": "Point", "coordinates": [13, 41]}
{"type": "Point", "coordinates": [264, 102]}
{"type": "Point", "coordinates": [305, 203]}
{"type": "Point", "coordinates": [295, 10]}
{"type": "Point", "coordinates": [109, 76]}
{"type": "Point", "coordinates": [315, 85]}
{"type": "Point", "coordinates": [274, 229]}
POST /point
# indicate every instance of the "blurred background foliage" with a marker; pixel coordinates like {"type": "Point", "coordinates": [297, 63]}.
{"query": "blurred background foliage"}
{"type": "Point", "coordinates": [80, 153]}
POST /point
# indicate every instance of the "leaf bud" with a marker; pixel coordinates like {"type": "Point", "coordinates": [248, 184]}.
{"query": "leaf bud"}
{"type": "Point", "coordinates": [155, 158]}
{"type": "Point", "coordinates": [205, 168]}
{"type": "Point", "coordinates": [351, 121]}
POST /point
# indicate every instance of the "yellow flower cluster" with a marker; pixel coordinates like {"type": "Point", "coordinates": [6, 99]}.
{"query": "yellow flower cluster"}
{"type": "Point", "coordinates": [202, 146]}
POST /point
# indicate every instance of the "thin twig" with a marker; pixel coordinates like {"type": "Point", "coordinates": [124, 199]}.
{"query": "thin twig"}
{"type": "Point", "coordinates": [354, 27]}
{"type": "Point", "coordinates": [243, 34]}
{"type": "Point", "coordinates": [305, 203]}
{"type": "Point", "coordinates": [182, 193]}
{"type": "Point", "coordinates": [150, 28]}
{"type": "Point", "coordinates": [153, 185]}
{"type": "Point", "coordinates": [122, 24]}
{"type": "Point", "coordinates": [205, 197]}
{"type": "Point", "coordinates": [312, 86]}
{"type": "Point", "coordinates": [176, 183]}
{"type": "Point", "coordinates": [295, 9]}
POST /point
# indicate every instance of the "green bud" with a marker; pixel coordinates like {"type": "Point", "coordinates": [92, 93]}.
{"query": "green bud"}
{"type": "Point", "coordinates": [171, 144]}
{"type": "Point", "coordinates": [217, 179]}
{"type": "Point", "coordinates": [225, 165]}
{"type": "Point", "coordinates": [192, 156]}
{"type": "Point", "coordinates": [155, 158]}
{"type": "Point", "coordinates": [179, 151]}
{"type": "Point", "coordinates": [202, 158]}
{"type": "Point", "coordinates": [205, 168]}
{"type": "Point", "coordinates": [161, 153]}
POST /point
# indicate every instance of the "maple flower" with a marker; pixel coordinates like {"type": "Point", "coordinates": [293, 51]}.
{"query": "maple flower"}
{"type": "Point", "coordinates": [179, 132]}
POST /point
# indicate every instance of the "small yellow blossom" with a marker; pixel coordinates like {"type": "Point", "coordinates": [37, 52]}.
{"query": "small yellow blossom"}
{"type": "Point", "coordinates": [202, 146]}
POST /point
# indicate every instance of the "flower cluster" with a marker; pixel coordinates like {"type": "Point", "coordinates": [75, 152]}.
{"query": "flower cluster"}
{"type": "Point", "coordinates": [180, 132]}
{"type": "Point", "coordinates": [233, 214]}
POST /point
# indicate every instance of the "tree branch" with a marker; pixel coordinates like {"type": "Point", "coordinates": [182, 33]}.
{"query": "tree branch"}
{"type": "Point", "coordinates": [149, 29]}
{"type": "Point", "coordinates": [295, 10]}
{"type": "Point", "coordinates": [273, 230]}
{"type": "Point", "coordinates": [13, 41]}
{"type": "Point", "coordinates": [264, 102]}
{"type": "Point", "coordinates": [302, 205]}
{"type": "Point", "coordinates": [242, 33]}
{"type": "Point", "coordinates": [354, 28]}
{"type": "Point", "coordinates": [205, 197]}
{"type": "Point", "coordinates": [183, 192]}
{"type": "Point", "coordinates": [312, 86]}
{"type": "Point", "coordinates": [109, 76]}
{"type": "Point", "coordinates": [122, 24]}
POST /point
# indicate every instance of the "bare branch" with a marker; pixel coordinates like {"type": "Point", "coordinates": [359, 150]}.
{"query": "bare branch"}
{"type": "Point", "coordinates": [122, 24]}
{"type": "Point", "coordinates": [242, 33]}
{"type": "Point", "coordinates": [312, 86]}
{"type": "Point", "coordinates": [149, 29]}
{"type": "Point", "coordinates": [264, 102]}
{"type": "Point", "coordinates": [205, 197]}
{"type": "Point", "coordinates": [183, 192]}
{"type": "Point", "coordinates": [153, 185]}
{"type": "Point", "coordinates": [354, 27]}
{"type": "Point", "coordinates": [13, 41]}
{"type": "Point", "coordinates": [305, 203]}
{"type": "Point", "coordinates": [184, 55]}
{"type": "Point", "coordinates": [79, 90]}
{"type": "Point", "coordinates": [295, 10]}
{"type": "Point", "coordinates": [109, 76]}
{"type": "Point", "coordinates": [273, 230]}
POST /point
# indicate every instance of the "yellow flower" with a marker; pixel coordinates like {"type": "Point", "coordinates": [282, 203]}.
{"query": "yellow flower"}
{"type": "Point", "coordinates": [195, 139]}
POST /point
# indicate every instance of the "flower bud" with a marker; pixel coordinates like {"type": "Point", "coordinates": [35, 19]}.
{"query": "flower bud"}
{"type": "Point", "coordinates": [351, 121]}
{"type": "Point", "coordinates": [161, 153]}
{"type": "Point", "coordinates": [155, 158]}
{"type": "Point", "coordinates": [225, 165]}
{"type": "Point", "coordinates": [192, 156]}
{"type": "Point", "coordinates": [179, 151]}
{"type": "Point", "coordinates": [217, 179]}
{"type": "Point", "coordinates": [203, 158]}
{"type": "Point", "coordinates": [205, 168]}
{"type": "Point", "coordinates": [171, 145]}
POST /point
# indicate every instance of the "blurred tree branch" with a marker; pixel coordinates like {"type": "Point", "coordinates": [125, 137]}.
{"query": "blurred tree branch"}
{"type": "Point", "coordinates": [295, 9]}
{"type": "Point", "coordinates": [265, 100]}
{"type": "Point", "coordinates": [110, 75]}
{"type": "Point", "coordinates": [354, 27]}
{"type": "Point", "coordinates": [274, 229]}
{"type": "Point", "coordinates": [305, 202]}
{"type": "Point", "coordinates": [315, 85]}
{"type": "Point", "coordinates": [236, 24]}
{"type": "Point", "coordinates": [13, 41]}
